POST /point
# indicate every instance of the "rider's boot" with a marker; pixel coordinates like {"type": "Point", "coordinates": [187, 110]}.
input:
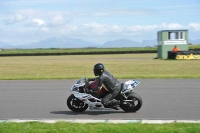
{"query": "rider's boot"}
{"type": "Point", "coordinates": [115, 104]}
{"type": "Point", "coordinates": [112, 104]}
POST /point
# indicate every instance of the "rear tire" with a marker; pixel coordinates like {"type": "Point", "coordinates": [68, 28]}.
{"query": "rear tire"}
{"type": "Point", "coordinates": [75, 104]}
{"type": "Point", "coordinates": [133, 106]}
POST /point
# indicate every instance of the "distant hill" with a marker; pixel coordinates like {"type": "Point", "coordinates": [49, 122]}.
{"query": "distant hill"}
{"type": "Point", "coordinates": [67, 42]}
{"type": "Point", "coordinates": [121, 43]}
{"type": "Point", "coordinates": [5, 45]}
{"type": "Point", "coordinates": [150, 42]}
{"type": "Point", "coordinates": [197, 41]}
{"type": "Point", "coordinates": [55, 42]}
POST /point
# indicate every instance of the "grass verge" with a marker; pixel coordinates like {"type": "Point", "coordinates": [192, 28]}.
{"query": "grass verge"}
{"type": "Point", "coordinates": [72, 50]}
{"type": "Point", "coordinates": [82, 50]}
{"type": "Point", "coordinates": [122, 66]}
{"type": "Point", "coordinates": [63, 127]}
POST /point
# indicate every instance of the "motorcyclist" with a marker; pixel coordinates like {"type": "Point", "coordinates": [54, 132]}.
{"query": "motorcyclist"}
{"type": "Point", "coordinates": [111, 84]}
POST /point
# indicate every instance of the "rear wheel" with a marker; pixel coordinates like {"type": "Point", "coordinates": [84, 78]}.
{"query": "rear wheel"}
{"type": "Point", "coordinates": [133, 103]}
{"type": "Point", "coordinates": [75, 104]}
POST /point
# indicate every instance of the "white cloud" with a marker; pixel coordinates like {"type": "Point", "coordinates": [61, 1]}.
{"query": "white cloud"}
{"type": "Point", "coordinates": [38, 29]}
{"type": "Point", "coordinates": [94, 28]}
{"type": "Point", "coordinates": [195, 26]}
{"type": "Point", "coordinates": [116, 28]}
{"type": "Point", "coordinates": [70, 28]}
{"type": "Point", "coordinates": [45, 29]}
{"type": "Point", "coordinates": [171, 26]}
{"type": "Point", "coordinates": [142, 28]}
{"type": "Point", "coordinates": [175, 26]}
{"type": "Point", "coordinates": [66, 30]}
{"type": "Point", "coordinates": [125, 12]}
{"type": "Point", "coordinates": [57, 20]}
{"type": "Point", "coordinates": [2, 27]}
{"type": "Point", "coordinates": [97, 29]}
{"type": "Point", "coordinates": [28, 2]}
{"type": "Point", "coordinates": [38, 21]}
{"type": "Point", "coordinates": [14, 18]}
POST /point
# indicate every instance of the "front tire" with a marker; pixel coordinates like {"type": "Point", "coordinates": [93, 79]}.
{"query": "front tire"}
{"type": "Point", "coordinates": [75, 104]}
{"type": "Point", "coordinates": [133, 105]}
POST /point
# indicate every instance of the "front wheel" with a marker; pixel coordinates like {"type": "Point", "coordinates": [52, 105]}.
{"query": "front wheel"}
{"type": "Point", "coordinates": [133, 103]}
{"type": "Point", "coordinates": [75, 104]}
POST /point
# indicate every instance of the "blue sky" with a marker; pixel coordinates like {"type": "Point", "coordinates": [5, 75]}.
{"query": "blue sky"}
{"type": "Point", "coordinates": [28, 21]}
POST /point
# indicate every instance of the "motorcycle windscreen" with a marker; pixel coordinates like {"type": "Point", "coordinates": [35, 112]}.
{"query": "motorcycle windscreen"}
{"type": "Point", "coordinates": [75, 88]}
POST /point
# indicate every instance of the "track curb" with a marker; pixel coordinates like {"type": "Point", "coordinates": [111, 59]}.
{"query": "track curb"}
{"type": "Point", "coordinates": [118, 121]}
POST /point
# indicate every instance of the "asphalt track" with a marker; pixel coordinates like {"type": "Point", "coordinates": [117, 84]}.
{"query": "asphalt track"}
{"type": "Point", "coordinates": [163, 99]}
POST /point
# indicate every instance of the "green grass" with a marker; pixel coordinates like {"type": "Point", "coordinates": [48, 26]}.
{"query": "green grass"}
{"type": "Point", "coordinates": [77, 50]}
{"type": "Point", "coordinates": [194, 46]}
{"type": "Point", "coordinates": [68, 50]}
{"type": "Point", "coordinates": [76, 66]}
{"type": "Point", "coordinates": [63, 127]}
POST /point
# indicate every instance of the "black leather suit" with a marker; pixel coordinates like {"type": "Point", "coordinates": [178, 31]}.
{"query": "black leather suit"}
{"type": "Point", "coordinates": [111, 84]}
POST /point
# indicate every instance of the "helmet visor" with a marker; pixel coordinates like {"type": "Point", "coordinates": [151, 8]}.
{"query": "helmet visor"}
{"type": "Point", "coordinates": [97, 72]}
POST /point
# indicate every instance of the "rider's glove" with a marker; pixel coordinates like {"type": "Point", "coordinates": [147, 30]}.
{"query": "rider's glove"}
{"type": "Point", "coordinates": [86, 82]}
{"type": "Point", "coordinates": [89, 91]}
{"type": "Point", "coordinates": [87, 88]}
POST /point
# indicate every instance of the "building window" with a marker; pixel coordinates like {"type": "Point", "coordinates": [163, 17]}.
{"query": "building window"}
{"type": "Point", "coordinates": [176, 35]}
{"type": "Point", "coordinates": [181, 35]}
{"type": "Point", "coordinates": [171, 36]}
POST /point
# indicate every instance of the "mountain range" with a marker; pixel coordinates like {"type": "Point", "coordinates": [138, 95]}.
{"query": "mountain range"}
{"type": "Point", "coordinates": [67, 42]}
{"type": "Point", "coordinates": [5, 45]}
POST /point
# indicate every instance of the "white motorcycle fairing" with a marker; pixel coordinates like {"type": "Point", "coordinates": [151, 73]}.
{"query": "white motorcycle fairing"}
{"type": "Point", "coordinates": [95, 103]}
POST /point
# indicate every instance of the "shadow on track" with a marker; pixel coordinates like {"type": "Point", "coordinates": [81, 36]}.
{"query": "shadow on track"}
{"type": "Point", "coordinates": [87, 112]}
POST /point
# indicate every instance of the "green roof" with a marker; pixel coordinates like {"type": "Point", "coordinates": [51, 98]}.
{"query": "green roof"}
{"type": "Point", "coordinates": [172, 30]}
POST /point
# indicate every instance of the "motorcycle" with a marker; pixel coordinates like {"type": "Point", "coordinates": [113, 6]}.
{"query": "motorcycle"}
{"type": "Point", "coordinates": [80, 99]}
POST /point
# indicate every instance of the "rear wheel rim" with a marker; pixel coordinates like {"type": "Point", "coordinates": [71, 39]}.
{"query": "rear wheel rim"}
{"type": "Point", "coordinates": [134, 103]}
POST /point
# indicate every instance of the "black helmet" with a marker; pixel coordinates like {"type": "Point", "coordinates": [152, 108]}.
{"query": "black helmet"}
{"type": "Point", "coordinates": [98, 69]}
